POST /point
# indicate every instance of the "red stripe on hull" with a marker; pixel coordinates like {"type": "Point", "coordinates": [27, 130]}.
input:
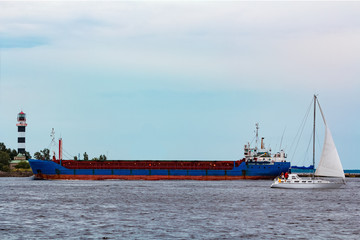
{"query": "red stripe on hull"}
{"type": "Point", "coordinates": [147, 177]}
{"type": "Point", "coordinates": [150, 164]}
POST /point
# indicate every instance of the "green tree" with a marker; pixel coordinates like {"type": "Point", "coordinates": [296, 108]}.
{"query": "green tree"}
{"type": "Point", "coordinates": [102, 157]}
{"type": "Point", "coordinates": [86, 156]}
{"type": "Point", "coordinates": [38, 155]}
{"type": "Point", "coordinates": [2, 147]}
{"type": "Point", "coordinates": [46, 153]}
{"type": "Point", "coordinates": [22, 165]}
{"type": "Point", "coordinates": [6, 169]}
{"type": "Point", "coordinates": [43, 154]}
{"type": "Point", "coordinates": [27, 155]}
{"type": "Point", "coordinates": [12, 152]}
{"type": "Point", "coordinates": [4, 161]}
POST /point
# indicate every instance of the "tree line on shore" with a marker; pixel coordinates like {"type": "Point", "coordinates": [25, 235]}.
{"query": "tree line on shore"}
{"type": "Point", "coordinates": [86, 157]}
{"type": "Point", "coordinates": [45, 155]}
{"type": "Point", "coordinates": [7, 154]}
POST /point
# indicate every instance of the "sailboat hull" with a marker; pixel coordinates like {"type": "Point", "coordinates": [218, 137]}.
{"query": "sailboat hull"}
{"type": "Point", "coordinates": [329, 185]}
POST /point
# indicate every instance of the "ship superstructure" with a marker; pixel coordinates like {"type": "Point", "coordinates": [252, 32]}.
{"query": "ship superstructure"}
{"type": "Point", "coordinates": [262, 155]}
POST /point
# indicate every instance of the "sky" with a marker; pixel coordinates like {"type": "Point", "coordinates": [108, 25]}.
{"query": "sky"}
{"type": "Point", "coordinates": [179, 79]}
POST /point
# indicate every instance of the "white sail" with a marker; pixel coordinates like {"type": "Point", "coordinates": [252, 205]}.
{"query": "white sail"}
{"type": "Point", "coordinates": [330, 164]}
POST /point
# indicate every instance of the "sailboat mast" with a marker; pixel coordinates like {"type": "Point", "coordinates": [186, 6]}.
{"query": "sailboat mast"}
{"type": "Point", "coordinates": [314, 136]}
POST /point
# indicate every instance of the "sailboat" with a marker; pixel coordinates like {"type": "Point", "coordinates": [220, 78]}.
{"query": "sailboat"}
{"type": "Point", "coordinates": [329, 165]}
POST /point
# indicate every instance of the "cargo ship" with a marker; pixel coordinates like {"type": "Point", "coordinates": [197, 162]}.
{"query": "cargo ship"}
{"type": "Point", "coordinates": [256, 164]}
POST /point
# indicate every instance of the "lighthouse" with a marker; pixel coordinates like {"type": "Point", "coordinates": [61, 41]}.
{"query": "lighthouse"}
{"type": "Point", "coordinates": [21, 118]}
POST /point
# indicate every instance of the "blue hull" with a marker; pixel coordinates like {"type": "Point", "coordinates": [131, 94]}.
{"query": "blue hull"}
{"type": "Point", "coordinates": [44, 169]}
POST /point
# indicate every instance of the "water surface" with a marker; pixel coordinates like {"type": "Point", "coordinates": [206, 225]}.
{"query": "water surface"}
{"type": "Point", "coordinates": [32, 209]}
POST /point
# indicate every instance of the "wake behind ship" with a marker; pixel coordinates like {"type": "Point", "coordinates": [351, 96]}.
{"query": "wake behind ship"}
{"type": "Point", "coordinates": [256, 164]}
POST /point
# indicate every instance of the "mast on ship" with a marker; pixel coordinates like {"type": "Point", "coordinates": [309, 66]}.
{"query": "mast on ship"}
{"type": "Point", "coordinates": [314, 136]}
{"type": "Point", "coordinates": [52, 144]}
{"type": "Point", "coordinates": [256, 136]}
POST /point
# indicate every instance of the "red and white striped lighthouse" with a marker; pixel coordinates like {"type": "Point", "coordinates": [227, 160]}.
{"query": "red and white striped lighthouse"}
{"type": "Point", "coordinates": [21, 118]}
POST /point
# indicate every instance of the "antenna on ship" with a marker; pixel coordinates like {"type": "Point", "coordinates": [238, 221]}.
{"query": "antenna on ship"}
{"type": "Point", "coordinates": [52, 135]}
{"type": "Point", "coordinates": [52, 144]}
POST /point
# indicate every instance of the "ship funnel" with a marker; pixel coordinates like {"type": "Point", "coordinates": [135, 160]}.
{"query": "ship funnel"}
{"type": "Point", "coordinates": [282, 154]}
{"type": "Point", "coordinates": [262, 143]}
{"type": "Point", "coordinates": [60, 149]}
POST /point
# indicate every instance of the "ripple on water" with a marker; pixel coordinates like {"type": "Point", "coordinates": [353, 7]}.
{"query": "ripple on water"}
{"type": "Point", "coordinates": [174, 210]}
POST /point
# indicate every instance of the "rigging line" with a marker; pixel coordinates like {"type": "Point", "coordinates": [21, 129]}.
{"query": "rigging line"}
{"type": "Point", "coordinates": [301, 133]}
{"type": "Point", "coordinates": [301, 125]}
{"type": "Point", "coordinates": [67, 155]}
{"type": "Point", "coordinates": [252, 140]}
{"type": "Point", "coordinates": [50, 145]}
{"type": "Point", "coordinates": [282, 138]}
{"type": "Point", "coordinates": [301, 129]}
{"type": "Point", "coordinates": [307, 149]}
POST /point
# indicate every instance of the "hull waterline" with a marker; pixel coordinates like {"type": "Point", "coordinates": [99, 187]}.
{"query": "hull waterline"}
{"type": "Point", "coordinates": [307, 185]}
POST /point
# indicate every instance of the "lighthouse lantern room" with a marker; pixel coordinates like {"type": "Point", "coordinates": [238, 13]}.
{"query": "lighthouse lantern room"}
{"type": "Point", "coordinates": [21, 118]}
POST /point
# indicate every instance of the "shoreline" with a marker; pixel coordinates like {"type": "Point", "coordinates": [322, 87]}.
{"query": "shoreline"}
{"type": "Point", "coordinates": [16, 174]}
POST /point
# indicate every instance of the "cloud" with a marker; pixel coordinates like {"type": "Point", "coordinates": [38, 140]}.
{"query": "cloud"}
{"type": "Point", "coordinates": [221, 44]}
{"type": "Point", "coordinates": [22, 42]}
